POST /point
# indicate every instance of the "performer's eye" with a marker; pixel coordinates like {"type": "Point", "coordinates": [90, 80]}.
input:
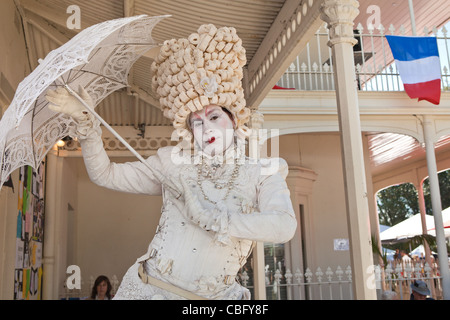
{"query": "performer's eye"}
{"type": "Point", "coordinates": [214, 117]}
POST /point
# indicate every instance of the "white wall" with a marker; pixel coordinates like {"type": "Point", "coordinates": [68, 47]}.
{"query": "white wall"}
{"type": "Point", "coordinates": [114, 228]}
{"type": "Point", "coordinates": [321, 153]}
{"type": "Point", "coordinates": [68, 196]}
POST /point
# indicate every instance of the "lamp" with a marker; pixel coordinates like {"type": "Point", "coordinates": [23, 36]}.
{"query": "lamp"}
{"type": "Point", "coordinates": [62, 142]}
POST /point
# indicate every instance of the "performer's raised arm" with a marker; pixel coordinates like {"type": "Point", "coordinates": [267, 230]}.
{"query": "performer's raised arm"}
{"type": "Point", "coordinates": [131, 177]}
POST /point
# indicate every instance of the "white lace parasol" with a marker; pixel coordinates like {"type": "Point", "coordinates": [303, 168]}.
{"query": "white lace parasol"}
{"type": "Point", "coordinates": [98, 58]}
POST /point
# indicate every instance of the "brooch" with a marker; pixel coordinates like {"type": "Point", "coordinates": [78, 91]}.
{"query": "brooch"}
{"type": "Point", "coordinates": [209, 84]}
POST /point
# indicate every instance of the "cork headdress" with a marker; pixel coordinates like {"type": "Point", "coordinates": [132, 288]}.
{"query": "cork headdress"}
{"type": "Point", "coordinates": [204, 69]}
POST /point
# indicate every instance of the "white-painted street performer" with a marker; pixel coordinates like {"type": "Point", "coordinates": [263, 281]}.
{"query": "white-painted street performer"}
{"type": "Point", "coordinates": [227, 201]}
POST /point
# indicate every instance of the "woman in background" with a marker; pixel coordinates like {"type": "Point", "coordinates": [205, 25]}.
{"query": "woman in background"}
{"type": "Point", "coordinates": [101, 289]}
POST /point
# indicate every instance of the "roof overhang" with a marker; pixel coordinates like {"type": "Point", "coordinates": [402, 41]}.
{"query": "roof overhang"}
{"type": "Point", "coordinates": [273, 32]}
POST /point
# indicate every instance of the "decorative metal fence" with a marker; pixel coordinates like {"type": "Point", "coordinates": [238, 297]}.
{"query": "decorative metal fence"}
{"type": "Point", "coordinates": [398, 277]}
{"type": "Point", "coordinates": [374, 67]}
{"type": "Point", "coordinates": [337, 284]}
{"type": "Point", "coordinates": [308, 285]}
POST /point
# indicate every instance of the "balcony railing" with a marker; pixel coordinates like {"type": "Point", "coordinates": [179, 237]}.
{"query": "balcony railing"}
{"type": "Point", "coordinates": [375, 69]}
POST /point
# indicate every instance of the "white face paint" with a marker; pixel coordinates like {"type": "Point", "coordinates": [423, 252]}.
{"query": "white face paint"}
{"type": "Point", "coordinates": [213, 129]}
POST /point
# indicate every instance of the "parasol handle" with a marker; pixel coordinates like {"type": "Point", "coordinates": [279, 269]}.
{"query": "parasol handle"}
{"type": "Point", "coordinates": [157, 174]}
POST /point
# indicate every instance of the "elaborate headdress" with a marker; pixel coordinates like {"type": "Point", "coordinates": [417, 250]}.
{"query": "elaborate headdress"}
{"type": "Point", "coordinates": [206, 68]}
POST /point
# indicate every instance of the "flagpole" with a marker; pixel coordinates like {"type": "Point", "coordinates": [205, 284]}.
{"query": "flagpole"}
{"type": "Point", "coordinates": [413, 19]}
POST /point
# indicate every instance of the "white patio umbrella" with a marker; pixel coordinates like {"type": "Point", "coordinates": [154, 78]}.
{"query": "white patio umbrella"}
{"type": "Point", "coordinates": [446, 230]}
{"type": "Point", "coordinates": [97, 59]}
{"type": "Point", "coordinates": [405, 230]}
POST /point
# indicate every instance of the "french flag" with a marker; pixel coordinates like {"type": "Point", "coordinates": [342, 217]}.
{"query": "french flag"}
{"type": "Point", "coordinates": [417, 60]}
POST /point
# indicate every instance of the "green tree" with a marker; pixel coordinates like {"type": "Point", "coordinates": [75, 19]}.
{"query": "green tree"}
{"type": "Point", "coordinates": [397, 203]}
{"type": "Point", "coordinates": [400, 202]}
{"type": "Point", "coordinates": [444, 188]}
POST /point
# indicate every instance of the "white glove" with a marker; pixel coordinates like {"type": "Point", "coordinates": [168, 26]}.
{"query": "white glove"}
{"type": "Point", "coordinates": [60, 100]}
{"type": "Point", "coordinates": [193, 209]}
{"type": "Point", "coordinates": [215, 220]}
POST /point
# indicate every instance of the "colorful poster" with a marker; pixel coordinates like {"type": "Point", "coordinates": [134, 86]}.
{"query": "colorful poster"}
{"type": "Point", "coordinates": [30, 234]}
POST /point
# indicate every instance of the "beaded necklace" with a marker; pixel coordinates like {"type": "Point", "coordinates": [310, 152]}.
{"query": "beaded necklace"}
{"type": "Point", "coordinates": [208, 172]}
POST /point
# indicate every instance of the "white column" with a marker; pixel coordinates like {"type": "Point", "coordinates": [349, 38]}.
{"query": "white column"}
{"type": "Point", "coordinates": [423, 212]}
{"type": "Point", "coordinates": [339, 15]}
{"type": "Point", "coordinates": [49, 270]}
{"type": "Point", "coordinates": [256, 121]}
{"type": "Point", "coordinates": [259, 277]}
{"type": "Point", "coordinates": [429, 137]}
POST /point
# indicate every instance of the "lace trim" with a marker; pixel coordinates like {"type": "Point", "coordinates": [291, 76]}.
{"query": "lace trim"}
{"type": "Point", "coordinates": [88, 127]}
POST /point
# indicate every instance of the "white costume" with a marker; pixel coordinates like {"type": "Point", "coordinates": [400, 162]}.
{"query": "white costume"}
{"type": "Point", "coordinates": [185, 250]}
{"type": "Point", "coordinates": [228, 202]}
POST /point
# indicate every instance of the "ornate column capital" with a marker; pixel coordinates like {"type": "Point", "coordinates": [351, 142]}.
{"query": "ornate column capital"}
{"type": "Point", "coordinates": [256, 120]}
{"type": "Point", "coordinates": [339, 15]}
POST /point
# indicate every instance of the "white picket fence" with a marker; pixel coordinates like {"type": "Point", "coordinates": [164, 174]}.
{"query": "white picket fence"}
{"type": "Point", "coordinates": [374, 67]}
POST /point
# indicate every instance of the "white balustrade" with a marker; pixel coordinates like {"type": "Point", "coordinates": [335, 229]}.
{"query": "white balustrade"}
{"type": "Point", "coordinates": [374, 68]}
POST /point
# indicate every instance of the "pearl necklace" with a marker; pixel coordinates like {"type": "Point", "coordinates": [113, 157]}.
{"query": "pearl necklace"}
{"type": "Point", "coordinates": [208, 173]}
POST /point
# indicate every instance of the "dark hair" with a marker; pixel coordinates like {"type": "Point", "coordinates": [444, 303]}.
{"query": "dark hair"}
{"type": "Point", "coordinates": [228, 112]}
{"type": "Point", "coordinates": [99, 280]}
